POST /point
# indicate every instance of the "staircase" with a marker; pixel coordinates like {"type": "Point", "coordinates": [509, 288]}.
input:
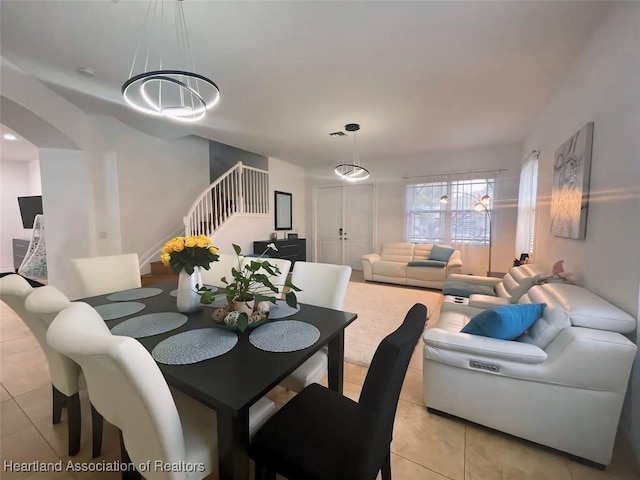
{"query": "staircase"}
{"type": "Point", "coordinates": [159, 274]}
{"type": "Point", "coordinates": [241, 190]}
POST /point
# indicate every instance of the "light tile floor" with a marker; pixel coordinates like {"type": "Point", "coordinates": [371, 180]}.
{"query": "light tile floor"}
{"type": "Point", "coordinates": [425, 446]}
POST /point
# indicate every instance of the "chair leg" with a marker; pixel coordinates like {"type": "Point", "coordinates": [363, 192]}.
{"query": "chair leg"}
{"type": "Point", "coordinates": [386, 466]}
{"type": "Point", "coordinates": [264, 473]}
{"type": "Point", "coordinates": [75, 423]}
{"type": "Point", "coordinates": [97, 423]}
{"type": "Point", "coordinates": [129, 471]}
{"type": "Point", "coordinates": [59, 401]}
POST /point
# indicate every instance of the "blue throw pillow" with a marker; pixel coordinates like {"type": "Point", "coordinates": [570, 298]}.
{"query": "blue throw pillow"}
{"type": "Point", "coordinates": [427, 263]}
{"type": "Point", "coordinates": [443, 254]}
{"type": "Point", "coordinates": [506, 322]}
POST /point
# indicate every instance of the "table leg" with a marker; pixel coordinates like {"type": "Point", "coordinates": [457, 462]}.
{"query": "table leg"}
{"type": "Point", "coordinates": [336, 362]}
{"type": "Point", "coordinates": [233, 445]}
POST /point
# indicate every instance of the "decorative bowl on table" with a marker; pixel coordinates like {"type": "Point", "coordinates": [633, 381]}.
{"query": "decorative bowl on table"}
{"type": "Point", "coordinates": [232, 319]}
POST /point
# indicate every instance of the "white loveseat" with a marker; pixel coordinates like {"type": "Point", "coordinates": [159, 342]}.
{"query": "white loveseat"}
{"type": "Point", "coordinates": [390, 265]}
{"type": "Point", "coordinates": [561, 384]}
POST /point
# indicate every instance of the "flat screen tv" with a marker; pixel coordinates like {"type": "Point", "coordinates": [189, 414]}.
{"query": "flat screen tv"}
{"type": "Point", "coordinates": [29, 208]}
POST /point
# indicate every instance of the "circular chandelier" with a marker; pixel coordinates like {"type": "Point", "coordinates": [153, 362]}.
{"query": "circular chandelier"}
{"type": "Point", "coordinates": [353, 171]}
{"type": "Point", "coordinates": [155, 90]}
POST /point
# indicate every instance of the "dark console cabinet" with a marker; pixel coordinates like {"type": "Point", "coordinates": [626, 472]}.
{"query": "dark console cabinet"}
{"type": "Point", "coordinates": [294, 249]}
{"type": "Point", "coordinates": [20, 248]}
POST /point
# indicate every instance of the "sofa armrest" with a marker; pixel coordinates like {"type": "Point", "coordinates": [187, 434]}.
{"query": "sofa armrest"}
{"type": "Point", "coordinates": [367, 261]}
{"type": "Point", "coordinates": [486, 301]}
{"type": "Point", "coordinates": [590, 358]}
{"type": "Point", "coordinates": [492, 281]}
{"type": "Point", "coordinates": [371, 258]}
{"type": "Point", "coordinates": [484, 347]}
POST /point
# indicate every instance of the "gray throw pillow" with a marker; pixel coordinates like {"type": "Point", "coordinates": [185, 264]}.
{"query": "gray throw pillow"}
{"type": "Point", "coordinates": [442, 254]}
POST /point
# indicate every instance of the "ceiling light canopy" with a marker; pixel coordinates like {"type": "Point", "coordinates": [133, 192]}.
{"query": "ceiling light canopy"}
{"type": "Point", "coordinates": [353, 171]}
{"type": "Point", "coordinates": [9, 136]}
{"type": "Point", "coordinates": [154, 88]}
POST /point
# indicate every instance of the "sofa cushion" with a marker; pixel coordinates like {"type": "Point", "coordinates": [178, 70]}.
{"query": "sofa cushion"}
{"type": "Point", "coordinates": [421, 251]}
{"type": "Point", "coordinates": [506, 322]}
{"type": "Point", "coordinates": [459, 288]}
{"type": "Point", "coordinates": [572, 305]}
{"type": "Point", "coordinates": [427, 263]}
{"type": "Point", "coordinates": [426, 274]}
{"type": "Point", "coordinates": [441, 253]}
{"type": "Point", "coordinates": [397, 252]}
{"type": "Point", "coordinates": [390, 269]}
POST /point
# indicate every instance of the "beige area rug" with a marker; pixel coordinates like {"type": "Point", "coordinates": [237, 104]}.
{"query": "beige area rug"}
{"type": "Point", "coordinates": [381, 308]}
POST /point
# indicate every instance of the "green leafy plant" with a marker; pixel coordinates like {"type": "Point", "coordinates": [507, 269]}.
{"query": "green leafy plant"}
{"type": "Point", "coordinates": [249, 282]}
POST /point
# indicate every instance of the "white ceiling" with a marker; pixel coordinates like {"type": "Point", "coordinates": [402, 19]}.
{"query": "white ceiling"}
{"type": "Point", "coordinates": [417, 76]}
{"type": "Point", "coordinates": [19, 150]}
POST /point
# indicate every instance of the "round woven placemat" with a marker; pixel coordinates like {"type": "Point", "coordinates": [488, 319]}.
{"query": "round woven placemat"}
{"type": "Point", "coordinates": [134, 294]}
{"type": "Point", "coordinates": [194, 346]}
{"type": "Point", "coordinates": [281, 310]}
{"type": "Point", "coordinates": [111, 311]}
{"type": "Point", "coordinates": [150, 324]}
{"type": "Point", "coordinates": [284, 336]}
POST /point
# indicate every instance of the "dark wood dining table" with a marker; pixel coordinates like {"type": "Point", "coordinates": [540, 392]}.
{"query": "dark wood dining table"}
{"type": "Point", "coordinates": [234, 381]}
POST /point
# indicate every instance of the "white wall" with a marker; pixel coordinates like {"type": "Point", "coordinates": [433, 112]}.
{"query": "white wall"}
{"type": "Point", "coordinates": [388, 175]}
{"type": "Point", "coordinates": [15, 181]}
{"type": "Point", "coordinates": [244, 230]}
{"type": "Point", "coordinates": [602, 86]}
{"type": "Point", "coordinates": [157, 182]}
{"type": "Point", "coordinates": [68, 215]}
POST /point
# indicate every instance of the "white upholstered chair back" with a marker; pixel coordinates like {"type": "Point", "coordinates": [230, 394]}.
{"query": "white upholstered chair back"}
{"type": "Point", "coordinates": [277, 280]}
{"type": "Point", "coordinates": [16, 292]}
{"type": "Point", "coordinates": [321, 284]}
{"type": "Point", "coordinates": [44, 303]}
{"type": "Point", "coordinates": [107, 274]}
{"type": "Point", "coordinates": [221, 268]}
{"type": "Point", "coordinates": [125, 386]}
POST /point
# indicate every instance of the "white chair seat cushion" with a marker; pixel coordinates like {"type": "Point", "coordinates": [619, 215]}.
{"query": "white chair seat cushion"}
{"type": "Point", "coordinates": [199, 424]}
{"type": "Point", "coordinates": [309, 372]}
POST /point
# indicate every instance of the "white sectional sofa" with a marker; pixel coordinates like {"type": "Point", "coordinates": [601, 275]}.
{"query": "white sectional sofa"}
{"type": "Point", "coordinates": [506, 290]}
{"type": "Point", "coordinates": [390, 265]}
{"type": "Point", "coordinates": [561, 384]}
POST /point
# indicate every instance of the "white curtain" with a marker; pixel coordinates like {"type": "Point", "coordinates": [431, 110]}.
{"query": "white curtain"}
{"type": "Point", "coordinates": [525, 230]}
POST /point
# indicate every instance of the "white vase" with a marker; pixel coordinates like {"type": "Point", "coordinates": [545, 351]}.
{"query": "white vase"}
{"type": "Point", "coordinates": [188, 299]}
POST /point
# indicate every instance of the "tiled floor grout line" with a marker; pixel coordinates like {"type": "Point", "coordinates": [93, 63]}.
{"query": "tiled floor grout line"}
{"type": "Point", "coordinates": [37, 429]}
{"type": "Point", "coordinates": [422, 466]}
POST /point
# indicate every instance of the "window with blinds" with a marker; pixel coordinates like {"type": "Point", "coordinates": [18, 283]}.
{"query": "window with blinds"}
{"type": "Point", "coordinates": [458, 221]}
{"type": "Point", "coordinates": [527, 193]}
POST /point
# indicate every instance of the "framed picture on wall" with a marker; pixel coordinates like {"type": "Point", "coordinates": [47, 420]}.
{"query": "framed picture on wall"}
{"type": "Point", "coordinates": [570, 192]}
{"type": "Point", "coordinates": [283, 211]}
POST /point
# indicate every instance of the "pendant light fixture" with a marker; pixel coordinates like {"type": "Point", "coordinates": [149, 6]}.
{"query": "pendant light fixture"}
{"type": "Point", "coordinates": [353, 171]}
{"type": "Point", "coordinates": [162, 81]}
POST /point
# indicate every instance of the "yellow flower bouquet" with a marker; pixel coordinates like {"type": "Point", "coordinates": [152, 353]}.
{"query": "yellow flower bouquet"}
{"type": "Point", "coordinates": [186, 253]}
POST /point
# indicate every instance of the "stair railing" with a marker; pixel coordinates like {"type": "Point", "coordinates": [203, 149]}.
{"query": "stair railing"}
{"type": "Point", "coordinates": [240, 190]}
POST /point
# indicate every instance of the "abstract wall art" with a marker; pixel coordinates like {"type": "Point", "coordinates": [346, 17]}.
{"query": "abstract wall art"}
{"type": "Point", "coordinates": [570, 193]}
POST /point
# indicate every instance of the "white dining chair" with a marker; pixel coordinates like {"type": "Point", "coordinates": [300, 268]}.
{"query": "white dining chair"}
{"type": "Point", "coordinates": [36, 307]}
{"type": "Point", "coordinates": [127, 388]}
{"type": "Point", "coordinates": [278, 280]}
{"type": "Point", "coordinates": [107, 274]}
{"type": "Point", "coordinates": [221, 268]}
{"type": "Point", "coordinates": [322, 285]}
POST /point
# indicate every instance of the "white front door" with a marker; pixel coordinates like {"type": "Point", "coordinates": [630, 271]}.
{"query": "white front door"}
{"type": "Point", "coordinates": [344, 224]}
